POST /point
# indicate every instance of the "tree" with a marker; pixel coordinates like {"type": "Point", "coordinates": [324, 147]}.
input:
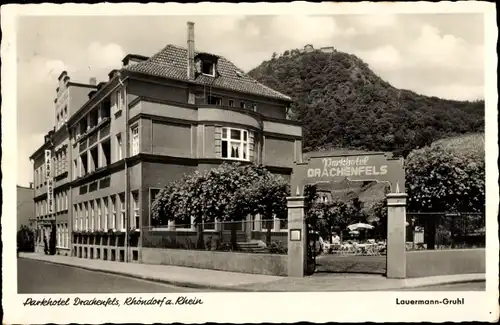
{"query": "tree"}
{"type": "Point", "coordinates": [207, 196]}
{"type": "Point", "coordinates": [169, 203]}
{"type": "Point", "coordinates": [378, 218]}
{"type": "Point", "coordinates": [266, 196]}
{"type": "Point", "coordinates": [447, 176]}
{"type": "Point", "coordinates": [25, 239]}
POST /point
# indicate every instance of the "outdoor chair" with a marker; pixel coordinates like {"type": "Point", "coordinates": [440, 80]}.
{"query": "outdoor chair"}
{"type": "Point", "coordinates": [335, 249]}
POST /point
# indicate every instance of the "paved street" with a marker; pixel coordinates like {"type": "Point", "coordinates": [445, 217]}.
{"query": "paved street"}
{"type": "Point", "coordinates": [470, 286]}
{"type": "Point", "coordinates": [40, 277]}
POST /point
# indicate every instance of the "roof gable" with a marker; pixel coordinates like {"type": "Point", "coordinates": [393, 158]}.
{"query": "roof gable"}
{"type": "Point", "coordinates": [171, 62]}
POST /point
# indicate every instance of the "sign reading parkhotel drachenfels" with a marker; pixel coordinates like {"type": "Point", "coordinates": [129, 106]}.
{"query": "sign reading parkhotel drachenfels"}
{"type": "Point", "coordinates": [378, 167]}
{"type": "Point", "coordinates": [50, 185]}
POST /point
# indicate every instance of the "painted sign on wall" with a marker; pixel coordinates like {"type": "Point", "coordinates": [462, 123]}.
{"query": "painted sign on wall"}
{"type": "Point", "coordinates": [50, 184]}
{"type": "Point", "coordinates": [378, 167]}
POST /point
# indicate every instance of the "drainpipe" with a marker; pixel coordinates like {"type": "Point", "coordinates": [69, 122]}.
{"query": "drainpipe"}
{"type": "Point", "coordinates": [127, 175]}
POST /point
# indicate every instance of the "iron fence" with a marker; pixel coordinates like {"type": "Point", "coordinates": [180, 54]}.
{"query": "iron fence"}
{"type": "Point", "coordinates": [248, 236]}
{"type": "Point", "coordinates": [441, 230]}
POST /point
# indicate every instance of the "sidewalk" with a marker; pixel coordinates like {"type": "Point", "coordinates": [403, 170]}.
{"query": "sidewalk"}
{"type": "Point", "coordinates": [232, 281]}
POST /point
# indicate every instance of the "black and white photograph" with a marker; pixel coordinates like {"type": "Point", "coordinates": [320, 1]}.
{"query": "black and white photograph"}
{"type": "Point", "coordinates": [250, 162]}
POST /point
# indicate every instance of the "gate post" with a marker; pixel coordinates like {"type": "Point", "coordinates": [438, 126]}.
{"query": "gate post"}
{"type": "Point", "coordinates": [396, 236]}
{"type": "Point", "coordinates": [297, 249]}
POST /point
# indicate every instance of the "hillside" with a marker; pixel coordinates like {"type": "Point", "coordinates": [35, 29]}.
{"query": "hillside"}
{"type": "Point", "coordinates": [342, 103]}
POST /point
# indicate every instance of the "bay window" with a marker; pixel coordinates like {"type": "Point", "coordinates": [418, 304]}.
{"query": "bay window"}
{"type": "Point", "coordinates": [235, 144]}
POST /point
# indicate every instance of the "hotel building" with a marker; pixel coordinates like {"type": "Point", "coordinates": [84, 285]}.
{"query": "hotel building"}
{"type": "Point", "coordinates": [117, 143]}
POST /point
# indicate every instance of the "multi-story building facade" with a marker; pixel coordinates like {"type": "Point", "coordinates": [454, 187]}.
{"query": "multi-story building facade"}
{"type": "Point", "coordinates": [25, 211]}
{"type": "Point", "coordinates": [155, 119]}
{"type": "Point", "coordinates": [70, 96]}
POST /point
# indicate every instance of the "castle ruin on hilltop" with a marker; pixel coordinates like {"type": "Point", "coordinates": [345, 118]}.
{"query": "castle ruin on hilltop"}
{"type": "Point", "coordinates": [308, 49]}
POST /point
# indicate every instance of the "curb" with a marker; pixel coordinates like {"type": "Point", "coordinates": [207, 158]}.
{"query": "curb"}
{"type": "Point", "coordinates": [444, 282]}
{"type": "Point", "coordinates": [184, 284]}
{"type": "Point", "coordinates": [244, 287]}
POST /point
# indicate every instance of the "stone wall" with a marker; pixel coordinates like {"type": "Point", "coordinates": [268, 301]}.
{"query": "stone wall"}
{"type": "Point", "coordinates": [268, 264]}
{"type": "Point", "coordinates": [445, 262]}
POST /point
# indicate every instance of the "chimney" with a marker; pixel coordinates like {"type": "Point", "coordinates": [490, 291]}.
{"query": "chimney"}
{"type": "Point", "coordinates": [190, 51]}
{"type": "Point", "coordinates": [93, 81]}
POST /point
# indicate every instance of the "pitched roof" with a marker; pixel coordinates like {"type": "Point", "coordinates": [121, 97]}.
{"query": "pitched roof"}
{"type": "Point", "coordinates": [171, 62]}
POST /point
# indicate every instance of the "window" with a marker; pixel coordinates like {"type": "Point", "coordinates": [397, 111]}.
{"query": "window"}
{"type": "Point", "coordinates": [75, 132]}
{"type": "Point", "coordinates": [254, 107]}
{"type": "Point", "coordinates": [81, 216]}
{"type": "Point", "coordinates": [135, 140]}
{"type": "Point", "coordinates": [94, 158]}
{"type": "Point", "coordinates": [208, 69]}
{"type": "Point", "coordinates": [243, 105]}
{"type": "Point", "coordinates": [99, 215]}
{"type": "Point", "coordinates": [86, 216]}
{"type": "Point", "coordinates": [58, 232]}
{"type": "Point", "coordinates": [113, 212]}
{"type": "Point", "coordinates": [93, 118]}
{"type": "Point", "coordinates": [75, 169]}
{"type": "Point", "coordinates": [84, 164]}
{"type": "Point", "coordinates": [64, 161]}
{"type": "Point", "coordinates": [106, 153]}
{"type": "Point", "coordinates": [235, 144]}
{"type": "Point", "coordinates": [135, 207]}
{"type": "Point", "coordinates": [75, 217]}
{"type": "Point", "coordinates": [83, 126]}
{"type": "Point", "coordinates": [231, 103]}
{"type": "Point", "coordinates": [214, 100]}
{"type": "Point", "coordinates": [106, 202]}
{"type": "Point", "coordinates": [66, 235]}
{"type": "Point", "coordinates": [120, 100]}
{"type": "Point", "coordinates": [119, 152]}
{"type": "Point", "coordinates": [122, 211]}
{"type": "Point", "coordinates": [105, 109]}
{"type": "Point", "coordinates": [92, 216]}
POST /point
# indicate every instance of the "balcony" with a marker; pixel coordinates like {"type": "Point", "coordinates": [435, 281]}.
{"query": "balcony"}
{"type": "Point", "coordinates": [90, 133]}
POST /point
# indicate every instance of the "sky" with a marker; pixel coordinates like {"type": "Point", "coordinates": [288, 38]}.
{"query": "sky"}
{"type": "Point", "coordinates": [432, 54]}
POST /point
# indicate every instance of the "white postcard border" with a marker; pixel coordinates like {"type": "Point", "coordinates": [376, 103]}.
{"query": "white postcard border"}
{"type": "Point", "coordinates": [250, 307]}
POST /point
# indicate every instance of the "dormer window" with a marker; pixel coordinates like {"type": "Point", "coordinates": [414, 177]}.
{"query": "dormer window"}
{"type": "Point", "coordinates": [208, 69]}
